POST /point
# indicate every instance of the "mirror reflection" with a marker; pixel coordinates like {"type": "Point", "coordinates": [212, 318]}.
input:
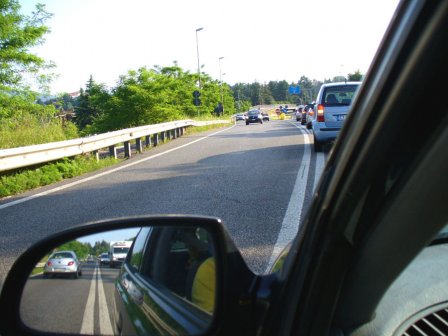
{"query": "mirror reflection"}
{"type": "Point", "coordinates": [143, 280]}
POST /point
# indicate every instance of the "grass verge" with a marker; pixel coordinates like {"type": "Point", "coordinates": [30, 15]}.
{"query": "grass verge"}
{"type": "Point", "coordinates": [199, 129]}
{"type": "Point", "coordinates": [27, 179]}
{"type": "Point", "coordinates": [37, 270]}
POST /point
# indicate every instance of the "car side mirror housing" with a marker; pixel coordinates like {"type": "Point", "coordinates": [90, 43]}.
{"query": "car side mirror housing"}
{"type": "Point", "coordinates": [164, 274]}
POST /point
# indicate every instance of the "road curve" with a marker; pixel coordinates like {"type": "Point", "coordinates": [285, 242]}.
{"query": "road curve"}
{"type": "Point", "coordinates": [246, 175]}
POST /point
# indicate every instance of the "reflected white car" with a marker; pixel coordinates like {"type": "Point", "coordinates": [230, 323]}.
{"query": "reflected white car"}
{"type": "Point", "coordinates": [63, 263]}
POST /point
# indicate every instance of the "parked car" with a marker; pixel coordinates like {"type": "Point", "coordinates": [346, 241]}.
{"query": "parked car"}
{"type": "Point", "coordinates": [254, 116]}
{"type": "Point", "coordinates": [104, 259]}
{"type": "Point", "coordinates": [332, 107]}
{"type": "Point", "coordinates": [63, 263]}
{"type": "Point", "coordinates": [370, 255]}
{"type": "Point", "coordinates": [265, 116]}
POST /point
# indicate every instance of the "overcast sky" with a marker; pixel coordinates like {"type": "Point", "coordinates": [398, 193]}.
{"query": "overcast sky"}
{"type": "Point", "coordinates": [259, 40]}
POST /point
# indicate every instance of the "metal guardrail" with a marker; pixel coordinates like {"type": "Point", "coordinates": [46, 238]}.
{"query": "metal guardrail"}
{"type": "Point", "coordinates": [30, 155]}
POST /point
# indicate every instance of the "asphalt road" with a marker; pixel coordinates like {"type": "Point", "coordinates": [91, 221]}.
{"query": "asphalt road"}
{"type": "Point", "coordinates": [258, 179]}
{"type": "Point", "coordinates": [65, 305]}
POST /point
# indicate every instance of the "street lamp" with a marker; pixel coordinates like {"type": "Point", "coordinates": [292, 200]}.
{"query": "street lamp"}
{"type": "Point", "coordinates": [197, 50]}
{"type": "Point", "coordinates": [220, 81]}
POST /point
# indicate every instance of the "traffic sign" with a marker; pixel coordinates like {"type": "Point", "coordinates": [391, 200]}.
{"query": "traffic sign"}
{"type": "Point", "coordinates": [294, 90]}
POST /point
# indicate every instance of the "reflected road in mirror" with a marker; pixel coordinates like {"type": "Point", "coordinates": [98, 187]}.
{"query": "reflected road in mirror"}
{"type": "Point", "coordinates": [71, 305]}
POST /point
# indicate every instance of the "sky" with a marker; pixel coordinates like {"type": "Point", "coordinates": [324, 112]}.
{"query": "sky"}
{"type": "Point", "coordinates": [114, 235]}
{"type": "Point", "coordinates": [258, 40]}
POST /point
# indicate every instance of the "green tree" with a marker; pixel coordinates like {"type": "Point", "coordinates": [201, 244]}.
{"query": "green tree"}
{"type": "Point", "coordinates": [89, 105]}
{"type": "Point", "coordinates": [357, 76]}
{"type": "Point", "coordinates": [82, 250]}
{"type": "Point", "coordinates": [148, 96]}
{"type": "Point", "coordinates": [100, 247]}
{"type": "Point", "coordinates": [18, 33]}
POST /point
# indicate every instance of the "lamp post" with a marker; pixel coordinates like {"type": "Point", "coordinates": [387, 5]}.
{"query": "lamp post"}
{"type": "Point", "coordinates": [220, 82]}
{"type": "Point", "coordinates": [197, 50]}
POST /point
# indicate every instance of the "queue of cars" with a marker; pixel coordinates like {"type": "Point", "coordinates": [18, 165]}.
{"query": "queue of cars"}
{"type": "Point", "coordinates": [252, 116]}
{"type": "Point", "coordinates": [67, 263]}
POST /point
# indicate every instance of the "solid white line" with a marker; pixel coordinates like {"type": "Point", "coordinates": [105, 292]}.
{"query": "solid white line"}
{"type": "Point", "coordinates": [105, 324]}
{"type": "Point", "coordinates": [293, 213]}
{"type": "Point", "coordinates": [69, 185]}
{"type": "Point", "coordinates": [87, 327]}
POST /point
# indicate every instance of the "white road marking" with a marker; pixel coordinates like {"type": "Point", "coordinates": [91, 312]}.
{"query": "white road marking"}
{"type": "Point", "coordinates": [88, 324]}
{"type": "Point", "coordinates": [293, 213]}
{"type": "Point", "coordinates": [69, 185]}
{"type": "Point", "coordinates": [105, 324]}
{"type": "Point", "coordinates": [87, 327]}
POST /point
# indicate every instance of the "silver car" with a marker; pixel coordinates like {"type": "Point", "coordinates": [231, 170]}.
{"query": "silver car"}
{"type": "Point", "coordinates": [63, 263]}
{"type": "Point", "coordinates": [104, 259]}
{"type": "Point", "coordinates": [332, 107]}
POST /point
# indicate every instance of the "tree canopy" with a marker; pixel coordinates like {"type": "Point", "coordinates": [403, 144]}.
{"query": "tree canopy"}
{"type": "Point", "coordinates": [18, 33]}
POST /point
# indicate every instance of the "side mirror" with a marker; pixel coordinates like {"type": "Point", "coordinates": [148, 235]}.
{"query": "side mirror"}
{"type": "Point", "coordinates": [165, 275]}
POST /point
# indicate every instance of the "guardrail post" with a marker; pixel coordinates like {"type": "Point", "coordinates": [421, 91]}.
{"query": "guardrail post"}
{"type": "Point", "coordinates": [156, 139]}
{"type": "Point", "coordinates": [127, 149]}
{"type": "Point", "coordinates": [175, 133]}
{"type": "Point", "coordinates": [162, 137]}
{"type": "Point", "coordinates": [168, 135]}
{"type": "Point", "coordinates": [148, 141]}
{"type": "Point", "coordinates": [138, 145]}
{"type": "Point", "coordinates": [96, 154]}
{"type": "Point", "coordinates": [113, 151]}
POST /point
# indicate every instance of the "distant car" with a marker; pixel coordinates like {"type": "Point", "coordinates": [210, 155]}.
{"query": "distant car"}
{"type": "Point", "coordinates": [63, 263]}
{"type": "Point", "coordinates": [265, 116]}
{"type": "Point", "coordinates": [332, 107]}
{"type": "Point", "coordinates": [240, 116]}
{"type": "Point", "coordinates": [299, 113]}
{"type": "Point", "coordinates": [254, 116]}
{"type": "Point", "coordinates": [104, 259]}
{"type": "Point", "coordinates": [307, 110]}
{"type": "Point", "coordinates": [90, 259]}
{"type": "Point", "coordinates": [309, 117]}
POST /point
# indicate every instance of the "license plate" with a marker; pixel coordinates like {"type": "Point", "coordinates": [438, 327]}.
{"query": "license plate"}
{"type": "Point", "coordinates": [341, 117]}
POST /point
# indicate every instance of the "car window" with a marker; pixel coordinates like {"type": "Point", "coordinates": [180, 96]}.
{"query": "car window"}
{"type": "Point", "coordinates": [339, 95]}
{"type": "Point", "coordinates": [134, 258]}
{"type": "Point", "coordinates": [62, 255]}
{"type": "Point", "coordinates": [170, 259]}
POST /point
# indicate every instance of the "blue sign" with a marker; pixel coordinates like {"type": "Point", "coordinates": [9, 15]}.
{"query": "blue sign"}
{"type": "Point", "coordinates": [294, 90]}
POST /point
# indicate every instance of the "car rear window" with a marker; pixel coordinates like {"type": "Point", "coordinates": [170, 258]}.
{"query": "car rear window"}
{"type": "Point", "coordinates": [340, 95]}
{"type": "Point", "coordinates": [62, 255]}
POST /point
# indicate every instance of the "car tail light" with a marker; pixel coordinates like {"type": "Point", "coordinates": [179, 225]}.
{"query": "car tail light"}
{"type": "Point", "coordinates": [49, 263]}
{"type": "Point", "coordinates": [320, 113]}
{"type": "Point", "coordinates": [70, 263]}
